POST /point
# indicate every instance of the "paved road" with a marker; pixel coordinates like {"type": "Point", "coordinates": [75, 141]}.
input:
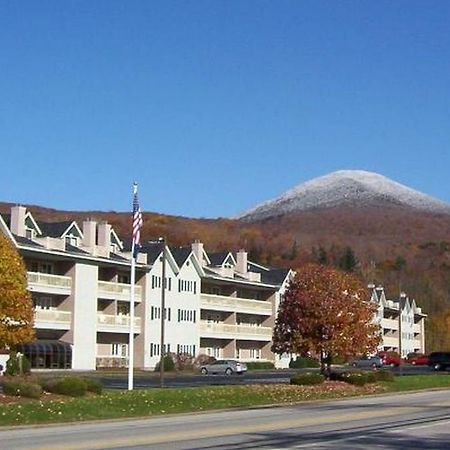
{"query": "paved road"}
{"type": "Point", "coordinates": [280, 376]}
{"type": "Point", "coordinates": [403, 421]}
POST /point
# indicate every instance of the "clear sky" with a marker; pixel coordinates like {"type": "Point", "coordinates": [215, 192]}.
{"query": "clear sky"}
{"type": "Point", "coordinates": [214, 106]}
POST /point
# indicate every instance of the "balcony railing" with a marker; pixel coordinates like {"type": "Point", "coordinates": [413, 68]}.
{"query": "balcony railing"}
{"type": "Point", "coordinates": [119, 323]}
{"type": "Point", "coordinates": [235, 331]}
{"type": "Point", "coordinates": [392, 324]}
{"type": "Point", "coordinates": [51, 318]}
{"type": "Point", "coordinates": [46, 282]}
{"type": "Point", "coordinates": [118, 291]}
{"type": "Point", "coordinates": [235, 304]}
{"type": "Point", "coordinates": [390, 341]}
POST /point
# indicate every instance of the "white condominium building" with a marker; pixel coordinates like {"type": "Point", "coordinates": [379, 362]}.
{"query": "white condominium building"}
{"type": "Point", "coordinates": [219, 304]}
{"type": "Point", "coordinates": [402, 323]}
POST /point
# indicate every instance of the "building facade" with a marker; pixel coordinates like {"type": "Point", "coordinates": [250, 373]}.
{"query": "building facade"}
{"type": "Point", "coordinates": [79, 276]}
{"type": "Point", "coordinates": [402, 323]}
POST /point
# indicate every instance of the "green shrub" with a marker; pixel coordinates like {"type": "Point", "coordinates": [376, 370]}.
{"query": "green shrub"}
{"type": "Point", "coordinates": [307, 378]}
{"type": "Point", "coordinates": [356, 378]}
{"type": "Point", "coordinates": [72, 386]}
{"type": "Point", "coordinates": [15, 363]}
{"type": "Point", "coordinates": [23, 389]}
{"type": "Point", "coordinates": [259, 365]}
{"type": "Point", "coordinates": [94, 386]}
{"type": "Point", "coordinates": [48, 384]}
{"type": "Point", "coordinates": [169, 364]}
{"type": "Point", "coordinates": [304, 361]}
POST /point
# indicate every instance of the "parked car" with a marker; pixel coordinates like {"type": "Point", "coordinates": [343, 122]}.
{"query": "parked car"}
{"type": "Point", "coordinates": [439, 360]}
{"type": "Point", "coordinates": [224, 366]}
{"type": "Point", "coordinates": [390, 358]}
{"type": "Point", "coordinates": [418, 359]}
{"type": "Point", "coordinates": [367, 361]}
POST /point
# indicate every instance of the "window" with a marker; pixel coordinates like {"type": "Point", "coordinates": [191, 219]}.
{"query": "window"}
{"type": "Point", "coordinates": [71, 240]}
{"type": "Point", "coordinates": [44, 303]}
{"type": "Point", "coordinates": [30, 233]}
{"type": "Point", "coordinates": [119, 349]}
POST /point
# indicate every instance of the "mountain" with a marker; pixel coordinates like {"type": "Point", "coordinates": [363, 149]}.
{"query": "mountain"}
{"type": "Point", "coordinates": [350, 188]}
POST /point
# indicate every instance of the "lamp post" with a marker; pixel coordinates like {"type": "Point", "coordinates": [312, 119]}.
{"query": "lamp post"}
{"type": "Point", "coordinates": [163, 311]}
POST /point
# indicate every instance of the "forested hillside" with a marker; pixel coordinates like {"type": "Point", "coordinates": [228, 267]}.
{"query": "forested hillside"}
{"type": "Point", "coordinates": [401, 248]}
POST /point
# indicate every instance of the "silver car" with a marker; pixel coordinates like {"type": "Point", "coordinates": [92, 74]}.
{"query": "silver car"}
{"type": "Point", "coordinates": [224, 366]}
{"type": "Point", "coordinates": [367, 361]}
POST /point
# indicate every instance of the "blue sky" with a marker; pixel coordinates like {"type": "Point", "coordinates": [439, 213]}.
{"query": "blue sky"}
{"type": "Point", "coordinates": [214, 106]}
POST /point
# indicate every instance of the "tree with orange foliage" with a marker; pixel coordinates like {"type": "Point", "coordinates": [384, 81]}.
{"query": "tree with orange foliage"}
{"type": "Point", "coordinates": [16, 308]}
{"type": "Point", "coordinates": [327, 312]}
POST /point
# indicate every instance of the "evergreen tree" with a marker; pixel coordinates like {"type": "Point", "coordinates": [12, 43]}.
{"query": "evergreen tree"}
{"type": "Point", "coordinates": [294, 250]}
{"type": "Point", "coordinates": [322, 257]}
{"type": "Point", "coordinates": [348, 261]}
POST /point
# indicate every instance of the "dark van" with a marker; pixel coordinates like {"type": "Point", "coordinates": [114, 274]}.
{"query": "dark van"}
{"type": "Point", "coordinates": [439, 360]}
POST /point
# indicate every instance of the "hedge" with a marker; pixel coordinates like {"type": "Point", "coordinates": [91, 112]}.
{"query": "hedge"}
{"type": "Point", "coordinates": [22, 389]}
{"type": "Point", "coordinates": [361, 378]}
{"type": "Point", "coordinates": [72, 386]}
{"type": "Point", "coordinates": [258, 365]}
{"type": "Point", "coordinates": [304, 361]}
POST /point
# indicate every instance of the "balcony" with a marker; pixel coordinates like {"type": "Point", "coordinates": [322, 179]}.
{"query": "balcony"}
{"type": "Point", "coordinates": [117, 323]}
{"type": "Point", "coordinates": [52, 319]}
{"type": "Point", "coordinates": [391, 324]}
{"type": "Point", "coordinates": [227, 331]}
{"type": "Point", "coordinates": [235, 304]}
{"type": "Point", "coordinates": [49, 284]}
{"type": "Point", "coordinates": [118, 291]}
{"type": "Point", "coordinates": [390, 341]}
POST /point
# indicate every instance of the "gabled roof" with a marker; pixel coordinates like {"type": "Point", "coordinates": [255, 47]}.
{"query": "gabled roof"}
{"type": "Point", "coordinates": [269, 275]}
{"type": "Point", "coordinates": [55, 229]}
{"type": "Point", "coordinates": [73, 249]}
{"type": "Point", "coordinates": [218, 259]}
{"type": "Point", "coordinates": [181, 254]}
{"type": "Point", "coordinates": [152, 250]}
{"type": "Point", "coordinates": [29, 218]}
{"type": "Point", "coordinates": [25, 241]}
{"type": "Point", "coordinates": [115, 239]}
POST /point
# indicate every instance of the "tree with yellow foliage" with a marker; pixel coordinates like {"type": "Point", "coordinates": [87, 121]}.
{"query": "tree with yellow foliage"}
{"type": "Point", "coordinates": [16, 308]}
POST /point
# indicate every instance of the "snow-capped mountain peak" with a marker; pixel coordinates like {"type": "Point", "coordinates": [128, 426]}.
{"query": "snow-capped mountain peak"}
{"type": "Point", "coordinates": [356, 188]}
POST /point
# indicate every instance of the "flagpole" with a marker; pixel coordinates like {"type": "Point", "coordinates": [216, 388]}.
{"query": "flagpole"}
{"type": "Point", "coordinates": [131, 331]}
{"type": "Point", "coordinates": [163, 314]}
{"type": "Point", "coordinates": [131, 334]}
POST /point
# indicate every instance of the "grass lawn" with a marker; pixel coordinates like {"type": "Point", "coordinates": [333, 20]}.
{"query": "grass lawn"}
{"type": "Point", "coordinates": [149, 402]}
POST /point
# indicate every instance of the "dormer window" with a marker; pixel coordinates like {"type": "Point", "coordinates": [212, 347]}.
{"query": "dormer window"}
{"type": "Point", "coordinates": [30, 233]}
{"type": "Point", "coordinates": [114, 248]}
{"type": "Point", "coordinates": [72, 240]}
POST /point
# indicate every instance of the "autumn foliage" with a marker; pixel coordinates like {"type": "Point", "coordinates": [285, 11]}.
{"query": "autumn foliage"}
{"type": "Point", "coordinates": [326, 312]}
{"type": "Point", "coordinates": [16, 308]}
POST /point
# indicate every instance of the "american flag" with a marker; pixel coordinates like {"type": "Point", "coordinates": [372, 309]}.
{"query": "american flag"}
{"type": "Point", "coordinates": [137, 222]}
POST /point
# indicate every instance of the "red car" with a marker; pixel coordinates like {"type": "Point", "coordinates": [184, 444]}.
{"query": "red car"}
{"type": "Point", "coordinates": [390, 358]}
{"type": "Point", "coordinates": [418, 360]}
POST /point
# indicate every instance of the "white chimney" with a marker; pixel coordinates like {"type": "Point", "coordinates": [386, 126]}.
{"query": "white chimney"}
{"type": "Point", "coordinates": [197, 248]}
{"type": "Point", "coordinates": [104, 235]}
{"type": "Point", "coordinates": [18, 220]}
{"type": "Point", "coordinates": [89, 231]}
{"type": "Point", "coordinates": [241, 262]}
